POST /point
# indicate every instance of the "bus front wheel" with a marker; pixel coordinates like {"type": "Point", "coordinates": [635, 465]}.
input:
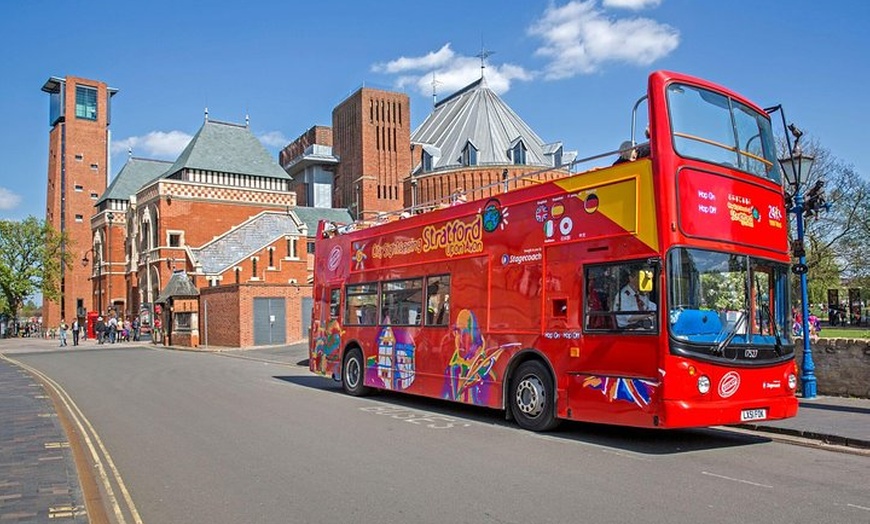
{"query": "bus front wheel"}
{"type": "Point", "coordinates": [353, 373]}
{"type": "Point", "coordinates": [532, 398]}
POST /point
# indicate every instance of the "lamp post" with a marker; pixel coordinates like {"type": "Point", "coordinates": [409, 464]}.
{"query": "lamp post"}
{"type": "Point", "coordinates": [98, 265]}
{"type": "Point", "coordinates": [109, 217]}
{"type": "Point", "coordinates": [796, 169]}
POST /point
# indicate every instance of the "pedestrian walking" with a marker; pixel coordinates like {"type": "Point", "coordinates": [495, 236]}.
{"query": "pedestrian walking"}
{"type": "Point", "coordinates": [62, 332]}
{"type": "Point", "coordinates": [75, 332]}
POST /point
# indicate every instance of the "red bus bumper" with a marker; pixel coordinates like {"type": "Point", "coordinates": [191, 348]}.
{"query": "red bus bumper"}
{"type": "Point", "coordinates": [694, 413]}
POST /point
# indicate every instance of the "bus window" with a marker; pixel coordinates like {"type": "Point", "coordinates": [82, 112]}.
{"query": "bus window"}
{"type": "Point", "coordinates": [622, 296]}
{"type": "Point", "coordinates": [362, 304]}
{"type": "Point", "coordinates": [402, 302]}
{"type": "Point", "coordinates": [438, 300]}
{"type": "Point", "coordinates": [334, 302]}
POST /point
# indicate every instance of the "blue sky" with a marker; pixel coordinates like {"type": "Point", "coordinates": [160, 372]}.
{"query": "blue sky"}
{"type": "Point", "coordinates": [572, 70]}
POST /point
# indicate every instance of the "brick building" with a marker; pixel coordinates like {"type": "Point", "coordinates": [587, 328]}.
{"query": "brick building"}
{"type": "Point", "coordinates": [221, 215]}
{"type": "Point", "coordinates": [371, 132]}
{"type": "Point", "coordinates": [224, 216]}
{"type": "Point", "coordinates": [78, 167]}
{"type": "Point", "coordinates": [471, 146]}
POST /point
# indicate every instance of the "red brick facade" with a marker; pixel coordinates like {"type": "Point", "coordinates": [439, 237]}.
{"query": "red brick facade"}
{"type": "Point", "coordinates": [77, 174]}
{"type": "Point", "coordinates": [226, 312]}
{"type": "Point", "coordinates": [371, 136]}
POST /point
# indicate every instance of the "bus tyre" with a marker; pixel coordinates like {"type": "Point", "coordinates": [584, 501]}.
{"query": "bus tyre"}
{"type": "Point", "coordinates": [353, 373]}
{"type": "Point", "coordinates": [532, 398]}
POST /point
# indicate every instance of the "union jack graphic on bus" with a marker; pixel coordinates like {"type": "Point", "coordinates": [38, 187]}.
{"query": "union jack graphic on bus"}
{"type": "Point", "coordinates": [635, 390]}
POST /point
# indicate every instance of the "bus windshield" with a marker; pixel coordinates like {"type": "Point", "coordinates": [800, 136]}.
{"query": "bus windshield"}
{"type": "Point", "coordinates": [719, 299]}
{"type": "Point", "coordinates": [712, 127]}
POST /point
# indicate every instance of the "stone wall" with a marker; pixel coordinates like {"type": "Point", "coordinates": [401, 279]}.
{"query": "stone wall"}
{"type": "Point", "coordinates": [842, 366]}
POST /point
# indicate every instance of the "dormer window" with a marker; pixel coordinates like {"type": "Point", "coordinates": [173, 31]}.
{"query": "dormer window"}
{"type": "Point", "coordinates": [518, 153]}
{"type": "Point", "coordinates": [557, 158]}
{"type": "Point", "coordinates": [469, 155]}
{"type": "Point", "coordinates": [427, 161]}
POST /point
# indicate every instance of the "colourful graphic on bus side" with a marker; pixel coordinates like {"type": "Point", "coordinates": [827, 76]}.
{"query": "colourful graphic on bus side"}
{"type": "Point", "coordinates": [393, 367]}
{"type": "Point", "coordinates": [469, 375]}
{"type": "Point", "coordinates": [634, 390]}
{"type": "Point", "coordinates": [327, 340]}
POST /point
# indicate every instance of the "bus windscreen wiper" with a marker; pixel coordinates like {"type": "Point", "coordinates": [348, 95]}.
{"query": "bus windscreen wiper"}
{"type": "Point", "coordinates": [777, 347]}
{"type": "Point", "coordinates": [719, 349]}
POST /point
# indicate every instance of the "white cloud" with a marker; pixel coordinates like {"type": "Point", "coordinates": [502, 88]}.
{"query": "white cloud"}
{"type": "Point", "coordinates": [450, 71]}
{"type": "Point", "coordinates": [155, 144]}
{"type": "Point", "coordinates": [635, 5]}
{"type": "Point", "coordinates": [8, 199]}
{"type": "Point", "coordinates": [579, 38]}
{"type": "Point", "coordinates": [273, 138]}
{"type": "Point", "coordinates": [432, 60]}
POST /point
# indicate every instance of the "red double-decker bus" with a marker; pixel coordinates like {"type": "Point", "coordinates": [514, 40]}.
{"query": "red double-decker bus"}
{"type": "Point", "coordinates": [650, 293]}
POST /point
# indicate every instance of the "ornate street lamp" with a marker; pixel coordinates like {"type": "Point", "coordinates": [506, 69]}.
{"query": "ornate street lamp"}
{"type": "Point", "coordinates": [109, 217]}
{"type": "Point", "coordinates": [796, 169]}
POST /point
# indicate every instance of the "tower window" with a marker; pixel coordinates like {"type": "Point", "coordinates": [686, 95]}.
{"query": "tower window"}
{"type": "Point", "coordinates": [79, 188]}
{"type": "Point", "coordinates": [86, 102]}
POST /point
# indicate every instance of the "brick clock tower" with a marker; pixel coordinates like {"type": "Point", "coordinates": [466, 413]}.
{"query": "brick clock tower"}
{"type": "Point", "coordinates": [371, 134]}
{"type": "Point", "coordinates": [78, 168]}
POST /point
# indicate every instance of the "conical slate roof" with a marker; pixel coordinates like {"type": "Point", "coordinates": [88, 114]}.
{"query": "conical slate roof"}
{"type": "Point", "coordinates": [476, 114]}
{"type": "Point", "coordinates": [227, 148]}
{"type": "Point", "coordinates": [135, 173]}
{"type": "Point", "coordinates": [179, 285]}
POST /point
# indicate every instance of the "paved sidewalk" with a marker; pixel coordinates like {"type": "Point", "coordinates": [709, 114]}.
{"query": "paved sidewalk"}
{"type": "Point", "coordinates": [38, 479]}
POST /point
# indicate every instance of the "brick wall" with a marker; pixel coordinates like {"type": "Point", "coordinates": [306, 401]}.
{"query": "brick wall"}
{"type": "Point", "coordinates": [842, 366]}
{"type": "Point", "coordinates": [84, 157]}
{"type": "Point", "coordinates": [372, 136]}
{"type": "Point", "coordinates": [230, 313]}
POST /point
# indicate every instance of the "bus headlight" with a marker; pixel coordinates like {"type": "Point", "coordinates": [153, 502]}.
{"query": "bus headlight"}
{"type": "Point", "coordinates": [703, 384]}
{"type": "Point", "coordinates": [792, 381]}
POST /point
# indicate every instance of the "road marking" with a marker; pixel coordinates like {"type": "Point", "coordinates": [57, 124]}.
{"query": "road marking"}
{"type": "Point", "coordinates": [736, 480]}
{"type": "Point", "coordinates": [66, 512]}
{"type": "Point", "coordinates": [429, 420]}
{"type": "Point", "coordinates": [56, 445]}
{"type": "Point", "coordinates": [858, 507]}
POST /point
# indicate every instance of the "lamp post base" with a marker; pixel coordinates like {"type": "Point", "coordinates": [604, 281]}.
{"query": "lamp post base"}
{"type": "Point", "coordinates": [808, 386]}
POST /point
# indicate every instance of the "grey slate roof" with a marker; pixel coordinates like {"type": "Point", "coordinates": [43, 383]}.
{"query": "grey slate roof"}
{"type": "Point", "coordinates": [310, 216]}
{"type": "Point", "coordinates": [227, 148]}
{"type": "Point", "coordinates": [135, 173]}
{"type": "Point", "coordinates": [237, 244]}
{"type": "Point", "coordinates": [477, 114]}
{"type": "Point", "coordinates": [179, 285]}
{"type": "Point", "coordinates": [241, 242]}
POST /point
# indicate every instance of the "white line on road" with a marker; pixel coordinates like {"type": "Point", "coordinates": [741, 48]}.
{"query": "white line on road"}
{"type": "Point", "coordinates": [736, 480]}
{"type": "Point", "coordinates": [859, 507]}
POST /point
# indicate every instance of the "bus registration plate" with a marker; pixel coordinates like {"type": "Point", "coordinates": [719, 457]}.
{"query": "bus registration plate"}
{"type": "Point", "coordinates": [753, 414]}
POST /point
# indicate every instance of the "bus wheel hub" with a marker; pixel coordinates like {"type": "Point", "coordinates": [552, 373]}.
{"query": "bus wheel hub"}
{"type": "Point", "coordinates": [531, 396]}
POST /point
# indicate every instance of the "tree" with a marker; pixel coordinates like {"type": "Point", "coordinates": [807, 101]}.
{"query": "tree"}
{"type": "Point", "coordinates": [32, 253]}
{"type": "Point", "coordinates": [836, 240]}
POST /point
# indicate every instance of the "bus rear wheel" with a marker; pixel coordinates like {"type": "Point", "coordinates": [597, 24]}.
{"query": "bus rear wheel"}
{"type": "Point", "coordinates": [532, 398]}
{"type": "Point", "coordinates": [353, 373]}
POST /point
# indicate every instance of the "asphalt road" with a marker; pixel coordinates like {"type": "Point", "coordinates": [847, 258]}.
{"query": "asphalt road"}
{"type": "Point", "coordinates": [199, 437]}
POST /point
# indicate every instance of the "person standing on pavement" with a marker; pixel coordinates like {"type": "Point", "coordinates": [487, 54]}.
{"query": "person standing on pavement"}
{"type": "Point", "coordinates": [75, 332]}
{"type": "Point", "coordinates": [62, 332]}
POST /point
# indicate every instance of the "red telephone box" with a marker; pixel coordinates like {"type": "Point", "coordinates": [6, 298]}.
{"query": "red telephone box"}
{"type": "Point", "coordinates": [92, 320]}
